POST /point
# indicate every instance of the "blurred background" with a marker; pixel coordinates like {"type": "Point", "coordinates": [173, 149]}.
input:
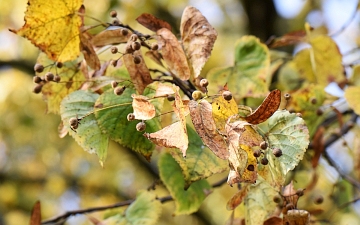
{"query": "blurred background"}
{"type": "Point", "coordinates": [35, 164]}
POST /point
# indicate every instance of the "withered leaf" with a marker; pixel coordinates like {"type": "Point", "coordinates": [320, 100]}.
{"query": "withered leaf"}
{"type": "Point", "coordinates": [143, 109]}
{"type": "Point", "coordinates": [198, 38]}
{"type": "Point", "coordinates": [152, 23]}
{"type": "Point", "coordinates": [222, 110]}
{"type": "Point", "coordinates": [88, 51]}
{"type": "Point", "coordinates": [297, 217]}
{"type": "Point", "coordinates": [139, 73]}
{"type": "Point", "coordinates": [318, 145]}
{"type": "Point", "coordinates": [173, 54]}
{"type": "Point", "coordinates": [155, 56]}
{"type": "Point", "coordinates": [110, 37]}
{"type": "Point", "coordinates": [35, 218]}
{"type": "Point", "coordinates": [237, 198]}
{"type": "Point", "coordinates": [201, 116]}
{"type": "Point", "coordinates": [291, 38]}
{"type": "Point", "coordinates": [180, 109]}
{"type": "Point", "coordinates": [164, 89]}
{"type": "Point", "coordinates": [274, 220]}
{"type": "Point", "coordinates": [267, 108]}
{"type": "Point", "coordinates": [172, 136]}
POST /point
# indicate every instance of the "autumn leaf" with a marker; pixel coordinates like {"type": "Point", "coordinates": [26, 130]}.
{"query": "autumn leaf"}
{"type": "Point", "coordinates": [88, 134]}
{"type": "Point", "coordinates": [88, 51]}
{"type": "Point", "coordinates": [267, 108]}
{"type": "Point", "coordinates": [274, 220]}
{"type": "Point", "coordinates": [291, 38]}
{"type": "Point", "coordinates": [351, 96]}
{"type": "Point", "coordinates": [198, 38]}
{"type": "Point", "coordinates": [201, 117]}
{"type": "Point", "coordinates": [71, 80]}
{"type": "Point", "coordinates": [173, 54]}
{"type": "Point", "coordinates": [139, 73]}
{"type": "Point", "coordinates": [155, 56]}
{"type": "Point", "coordinates": [110, 36]}
{"type": "Point", "coordinates": [35, 218]}
{"type": "Point", "coordinates": [181, 110]}
{"type": "Point", "coordinates": [143, 109]}
{"type": "Point", "coordinates": [172, 136]}
{"type": "Point", "coordinates": [164, 89]}
{"type": "Point", "coordinates": [53, 27]}
{"type": "Point", "coordinates": [152, 23]}
{"type": "Point", "coordinates": [186, 201]}
{"type": "Point", "coordinates": [247, 78]}
{"type": "Point", "coordinates": [200, 162]}
{"type": "Point", "coordinates": [297, 217]}
{"type": "Point", "coordinates": [237, 198]}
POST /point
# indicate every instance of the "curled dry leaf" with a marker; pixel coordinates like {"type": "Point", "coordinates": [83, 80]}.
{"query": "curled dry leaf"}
{"type": "Point", "coordinates": [110, 37]}
{"type": "Point", "coordinates": [88, 51]}
{"type": "Point", "coordinates": [152, 23]}
{"type": "Point", "coordinates": [143, 109]}
{"type": "Point", "coordinates": [201, 116]}
{"type": "Point", "coordinates": [173, 54]}
{"type": "Point", "coordinates": [54, 29]}
{"type": "Point", "coordinates": [172, 136]}
{"type": "Point", "coordinates": [297, 217]}
{"type": "Point", "coordinates": [198, 38]}
{"type": "Point", "coordinates": [139, 73]}
{"type": "Point", "coordinates": [164, 89]}
{"type": "Point", "coordinates": [291, 38]}
{"type": "Point", "coordinates": [180, 109]}
{"type": "Point", "coordinates": [267, 108]}
{"type": "Point", "coordinates": [237, 198]}
{"type": "Point", "coordinates": [35, 218]}
{"type": "Point", "coordinates": [274, 220]}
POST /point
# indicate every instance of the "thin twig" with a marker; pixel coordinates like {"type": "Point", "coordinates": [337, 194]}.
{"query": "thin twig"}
{"type": "Point", "coordinates": [68, 214]}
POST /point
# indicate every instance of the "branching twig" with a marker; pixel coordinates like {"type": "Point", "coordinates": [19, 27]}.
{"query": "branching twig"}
{"type": "Point", "coordinates": [65, 216]}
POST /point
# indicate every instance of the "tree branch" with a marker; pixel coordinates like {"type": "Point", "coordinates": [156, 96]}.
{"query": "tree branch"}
{"type": "Point", "coordinates": [62, 218]}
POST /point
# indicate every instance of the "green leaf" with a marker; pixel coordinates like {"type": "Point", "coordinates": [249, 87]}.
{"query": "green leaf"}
{"type": "Point", "coordinates": [200, 161]}
{"type": "Point", "coordinates": [352, 97]}
{"type": "Point", "coordinates": [111, 112]}
{"type": "Point", "coordinates": [71, 80]}
{"type": "Point", "coordinates": [289, 133]}
{"type": "Point", "coordinates": [145, 210]}
{"type": "Point", "coordinates": [259, 202]}
{"type": "Point", "coordinates": [186, 201]}
{"type": "Point", "coordinates": [317, 67]}
{"type": "Point", "coordinates": [248, 76]}
{"type": "Point", "coordinates": [88, 134]}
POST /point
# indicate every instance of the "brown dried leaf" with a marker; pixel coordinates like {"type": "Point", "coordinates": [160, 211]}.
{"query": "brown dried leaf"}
{"type": "Point", "coordinates": [164, 89]}
{"type": "Point", "coordinates": [198, 38]}
{"type": "Point", "coordinates": [201, 116]}
{"type": "Point", "coordinates": [172, 136]}
{"type": "Point", "coordinates": [88, 51]}
{"type": "Point", "coordinates": [173, 54]}
{"type": "Point", "coordinates": [110, 37]}
{"type": "Point", "coordinates": [318, 145]}
{"type": "Point", "coordinates": [35, 218]}
{"type": "Point", "coordinates": [267, 108]}
{"type": "Point", "coordinates": [274, 220]}
{"type": "Point", "coordinates": [152, 23]}
{"type": "Point", "coordinates": [179, 108]}
{"type": "Point", "coordinates": [139, 73]}
{"type": "Point", "coordinates": [297, 217]}
{"type": "Point", "coordinates": [291, 38]}
{"type": "Point", "coordinates": [143, 109]}
{"type": "Point", "coordinates": [237, 198]}
{"type": "Point", "coordinates": [155, 56]}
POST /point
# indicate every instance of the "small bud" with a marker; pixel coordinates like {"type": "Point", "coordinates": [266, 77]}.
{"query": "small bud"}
{"type": "Point", "coordinates": [196, 95]}
{"type": "Point", "coordinates": [257, 153]}
{"type": "Point", "coordinates": [154, 46]}
{"type": "Point", "coordinates": [277, 199]}
{"type": "Point", "coordinates": [38, 68]}
{"type": "Point", "coordinates": [73, 121]}
{"type": "Point", "coordinates": [37, 79]}
{"type": "Point", "coordinates": [277, 152]}
{"type": "Point", "coordinates": [287, 96]}
{"type": "Point", "coordinates": [318, 200]}
{"type": "Point", "coordinates": [49, 76]}
{"type": "Point", "coordinates": [319, 112]}
{"type": "Point", "coordinates": [263, 145]}
{"type": "Point", "coordinates": [264, 161]}
{"type": "Point", "coordinates": [133, 37]}
{"type": "Point", "coordinates": [136, 45]}
{"type": "Point", "coordinates": [227, 95]}
{"type": "Point", "coordinates": [251, 167]}
{"type": "Point", "coordinates": [119, 90]}
{"type": "Point", "coordinates": [116, 22]}
{"type": "Point", "coordinates": [114, 63]}
{"type": "Point", "coordinates": [204, 83]}
{"type": "Point", "coordinates": [57, 78]}
{"type": "Point", "coordinates": [141, 126]}
{"type": "Point", "coordinates": [300, 192]}
{"type": "Point", "coordinates": [114, 50]}
{"type": "Point", "coordinates": [299, 115]}
{"type": "Point", "coordinates": [113, 14]}
{"type": "Point", "coordinates": [124, 32]}
{"type": "Point", "coordinates": [137, 59]}
{"type": "Point", "coordinates": [59, 65]}
{"type": "Point", "coordinates": [114, 84]}
{"type": "Point", "coordinates": [128, 49]}
{"type": "Point", "coordinates": [37, 88]}
{"type": "Point", "coordinates": [170, 98]}
{"type": "Point", "coordinates": [130, 117]}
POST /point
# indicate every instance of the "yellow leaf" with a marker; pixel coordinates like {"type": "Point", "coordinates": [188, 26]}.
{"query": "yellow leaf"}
{"type": "Point", "coordinates": [222, 110]}
{"type": "Point", "coordinates": [352, 97]}
{"type": "Point", "coordinates": [53, 26]}
{"type": "Point", "coordinates": [143, 109]}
